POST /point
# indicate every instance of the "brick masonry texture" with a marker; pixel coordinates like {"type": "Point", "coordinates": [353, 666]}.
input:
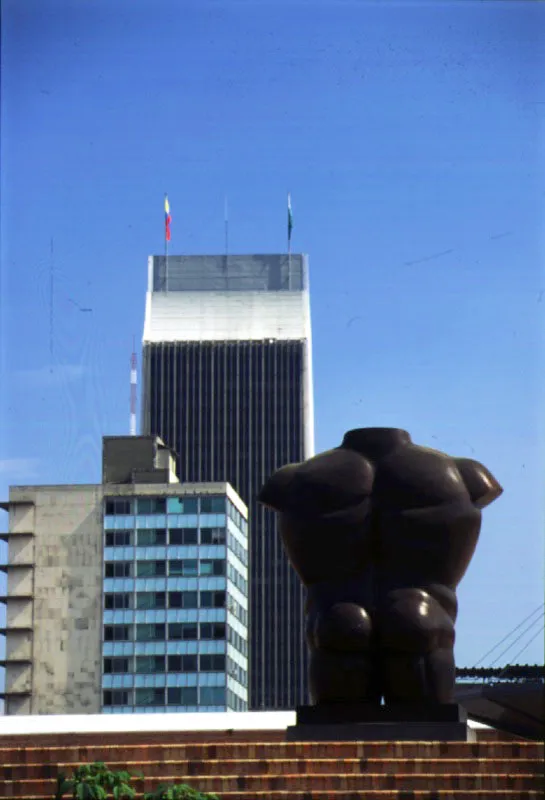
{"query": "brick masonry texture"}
{"type": "Point", "coordinates": [247, 766]}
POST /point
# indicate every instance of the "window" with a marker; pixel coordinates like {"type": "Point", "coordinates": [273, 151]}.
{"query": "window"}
{"type": "Point", "coordinates": [212, 535]}
{"type": "Point", "coordinates": [183, 630]}
{"type": "Point", "coordinates": [182, 505]}
{"type": "Point", "coordinates": [150, 568]}
{"type": "Point", "coordinates": [212, 505]}
{"type": "Point", "coordinates": [212, 599]}
{"type": "Point", "coordinates": [118, 506]}
{"type": "Point", "coordinates": [212, 663]}
{"type": "Point", "coordinates": [150, 697]}
{"type": "Point", "coordinates": [175, 599]}
{"type": "Point", "coordinates": [187, 567]}
{"type": "Point", "coordinates": [182, 536]}
{"type": "Point", "coordinates": [118, 538]}
{"type": "Point", "coordinates": [182, 696]}
{"type": "Point", "coordinates": [151, 505]}
{"type": "Point", "coordinates": [118, 569]}
{"type": "Point", "coordinates": [238, 549]}
{"type": "Point", "coordinates": [236, 672]}
{"type": "Point", "coordinates": [183, 600]}
{"type": "Point", "coordinates": [117, 600]}
{"type": "Point", "coordinates": [149, 632]}
{"type": "Point", "coordinates": [212, 630]}
{"type": "Point", "coordinates": [212, 696]}
{"type": "Point", "coordinates": [150, 664]}
{"type": "Point", "coordinates": [116, 697]}
{"type": "Point", "coordinates": [237, 579]}
{"type": "Point", "coordinates": [118, 665]}
{"type": "Point", "coordinates": [117, 633]}
{"type": "Point", "coordinates": [151, 600]}
{"type": "Point", "coordinates": [186, 663]}
{"type": "Point", "coordinates": [212, 567]}
{"type": "Point", "coordinates": [150, 537]}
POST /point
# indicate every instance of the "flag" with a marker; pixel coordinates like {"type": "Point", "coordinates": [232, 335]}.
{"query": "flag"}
{"type": "Point", "coordinates": [290, 219]}
{"type": "Point", "coordinates": [168, 219]}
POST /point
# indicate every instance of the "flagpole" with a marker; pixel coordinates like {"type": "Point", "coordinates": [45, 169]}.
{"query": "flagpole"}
{"type": "Point", "coordinates": [289, 264]}
{"type": "Point", "coordinates": [166, 264]}
{"type": "Point", "coordinates": [289, 242]}
{"type": "Point", "coordinates": [166, 245]}
{"type": "Point", "coordinates": [226, 221]}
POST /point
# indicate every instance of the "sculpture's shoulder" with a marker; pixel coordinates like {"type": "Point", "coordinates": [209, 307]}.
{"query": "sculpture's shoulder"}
{"type": "Point", "coordinates": [482, 486]}
{"type": "Point", "coordinates": [414, 476]}
{"type": "Point", "coordinates": [328, 482]}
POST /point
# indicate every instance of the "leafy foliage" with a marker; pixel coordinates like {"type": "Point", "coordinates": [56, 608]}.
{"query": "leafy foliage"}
{"type": "Point", "coordinates": [178, 791]}
{"type": "Point", "coordinates": [95, 782]}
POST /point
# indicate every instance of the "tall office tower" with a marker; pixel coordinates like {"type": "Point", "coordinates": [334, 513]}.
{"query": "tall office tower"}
{"type": "Point", "coordinates": [227, 376]}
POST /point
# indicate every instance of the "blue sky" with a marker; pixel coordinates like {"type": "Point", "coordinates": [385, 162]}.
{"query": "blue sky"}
{"type": "Point", "coordinates": [410, 136]}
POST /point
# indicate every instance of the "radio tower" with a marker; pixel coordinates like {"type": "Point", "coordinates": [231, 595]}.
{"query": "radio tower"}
{"type": "Point", "coordinates": [133, 388]}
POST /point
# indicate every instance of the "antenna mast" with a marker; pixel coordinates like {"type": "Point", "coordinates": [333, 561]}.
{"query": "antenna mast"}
{"type": "Point", "coordinates": [226, 224]}
{"type": "Point", "coordinates": [133, 389]}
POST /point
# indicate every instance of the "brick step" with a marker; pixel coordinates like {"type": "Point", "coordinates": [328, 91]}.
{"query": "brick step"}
{"type": "Point", "coordinates": [403, 782]}
{"type": "Point", "coordinates": [236, 751]}
{"type": "Point", "coordinates": [387, 794]}
{"type": "Point", "coordinates": [326, 766]}
{"type": "Point", "coordinates": [79, 739]}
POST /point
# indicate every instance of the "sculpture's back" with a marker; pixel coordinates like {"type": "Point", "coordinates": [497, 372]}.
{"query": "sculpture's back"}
{"type": "Point", "coordinates": [381, 532]}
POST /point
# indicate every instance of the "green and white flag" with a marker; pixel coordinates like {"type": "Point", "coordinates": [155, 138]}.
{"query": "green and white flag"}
{"type": "Point", "coordinates": [290, 219]}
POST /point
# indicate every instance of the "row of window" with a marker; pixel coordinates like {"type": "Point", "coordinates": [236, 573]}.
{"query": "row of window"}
{"type": "Point", "coordinates": [187, 567]}
{"type": "Point", "coordinates": [235, 702]}
{"type": "Point", "coordinates": [150, 537]}
{"type": "Point", "coordinates": [151, 665]}
{"type": "Point", "coordinates": [236, 671]}
{"type": "Point", "coordinates": [173, 696]}
{"type": "Point", "coordinates": [237, 641]}
{"type": "Point", "coordinates": [114, 601]}
{"type": "Point", "coordinates": [126, 506]}
{"type": "Point", "coordinates": [235, 576]}
{"type": "Point", "coordinates": [237, 611]}
{"type": "Point", "coordinates": [237, 517]}
{"type": "Point", "coordinates": [146, 632]}
{"type": "Point", "coordinates": [240, 551]}
{"type": "Point", "coordinates": [192, 631]}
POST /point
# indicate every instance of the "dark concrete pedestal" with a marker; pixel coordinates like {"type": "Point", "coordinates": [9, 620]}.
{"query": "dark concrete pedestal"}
{"type": "Point", "coordinates": [339, 722]}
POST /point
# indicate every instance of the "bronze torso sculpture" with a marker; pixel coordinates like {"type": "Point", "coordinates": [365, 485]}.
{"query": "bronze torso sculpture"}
{"type": "Point", "coordinates": [381, 531]}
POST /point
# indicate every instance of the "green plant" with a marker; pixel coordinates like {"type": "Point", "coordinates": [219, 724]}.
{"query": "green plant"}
{"type": "Point", "coordinates": [178, 791]}
{"type": "Point", "coordinates": [95, 782]}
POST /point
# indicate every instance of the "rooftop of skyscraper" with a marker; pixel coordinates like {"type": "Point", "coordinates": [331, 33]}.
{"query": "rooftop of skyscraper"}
{"type": "Point", "coordinates": [227, 298]}
{"type": "Point", "coordinates": [235, 273]}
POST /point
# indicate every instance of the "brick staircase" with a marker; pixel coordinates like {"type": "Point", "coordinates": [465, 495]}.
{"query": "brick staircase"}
{"type": "Point", "coordinates": [252, 765]}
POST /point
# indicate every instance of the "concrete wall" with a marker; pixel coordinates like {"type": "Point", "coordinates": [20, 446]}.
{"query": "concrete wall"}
{"type": "Point", "coordinates": [67, 607]}
{"type": "Point", "coordinates": [21, 516]}
{"type": "Point", "coordinates": [123, 454]}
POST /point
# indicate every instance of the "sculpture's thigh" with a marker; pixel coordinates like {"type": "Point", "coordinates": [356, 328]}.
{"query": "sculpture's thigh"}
{"type": "Point", "coordinates": [416, 638]}
{"type": "Point", "coordinates": [341, 667]}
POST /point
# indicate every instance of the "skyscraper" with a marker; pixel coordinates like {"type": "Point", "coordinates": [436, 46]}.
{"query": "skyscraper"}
{"type": "Point", "coordinates": [228, 385]}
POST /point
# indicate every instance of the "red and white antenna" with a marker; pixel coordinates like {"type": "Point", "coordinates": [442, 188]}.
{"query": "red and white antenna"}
{"type": "Point", "coordinates": [133, 389]}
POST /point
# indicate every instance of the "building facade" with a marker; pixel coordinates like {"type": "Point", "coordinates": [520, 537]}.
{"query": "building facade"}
{"type": "Point", "coordinates": [228, 385]}
{"type": "Point", "coordinates": [129, 595]}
